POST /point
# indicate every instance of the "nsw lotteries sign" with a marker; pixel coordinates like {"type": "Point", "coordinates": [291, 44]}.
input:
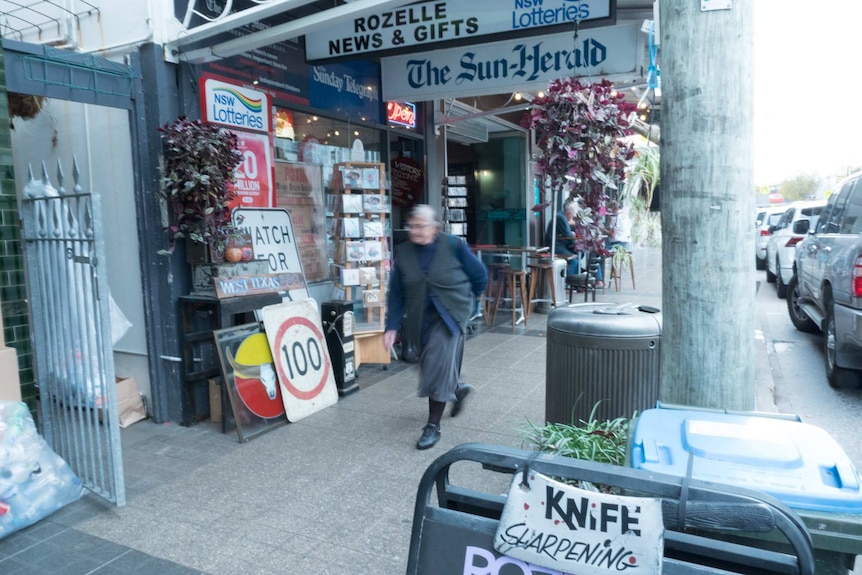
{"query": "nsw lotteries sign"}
{"type": "Point", "coordinates": [235, 106]}
{"type": "Point", "coordinates": [614, 53]}
{"type": "Point", "coordinates": [450, 21]}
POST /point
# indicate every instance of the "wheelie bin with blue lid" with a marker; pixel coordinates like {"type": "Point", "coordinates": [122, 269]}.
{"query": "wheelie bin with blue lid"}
{"type": "Point", "coordinates": [799, 464]}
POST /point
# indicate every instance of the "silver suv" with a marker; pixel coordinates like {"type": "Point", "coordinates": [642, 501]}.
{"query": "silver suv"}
{"type": "Point", "coordinates": [825, 291]}
{"type": "Point", "coordinates": [781, 247]}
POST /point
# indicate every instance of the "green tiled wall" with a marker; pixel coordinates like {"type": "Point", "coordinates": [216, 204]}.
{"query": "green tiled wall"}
{"type": "Point", "coordinates": [13, 290]}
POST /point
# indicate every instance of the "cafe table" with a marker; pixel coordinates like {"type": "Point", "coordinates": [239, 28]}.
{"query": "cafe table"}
{"type": "Point", "coordinates": [507, 253]}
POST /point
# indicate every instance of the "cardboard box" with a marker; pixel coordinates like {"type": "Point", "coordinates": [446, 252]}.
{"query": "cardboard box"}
{"type": "Point", "coordinates": [215, 401]}
{"type": "Point", "coordinates": [10, 385]}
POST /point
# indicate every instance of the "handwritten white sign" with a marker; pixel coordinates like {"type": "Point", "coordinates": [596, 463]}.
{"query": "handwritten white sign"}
{"type": "Point", "coordinates": [271, 231]}
{"type": "Point", "coordinates": [571, 530]}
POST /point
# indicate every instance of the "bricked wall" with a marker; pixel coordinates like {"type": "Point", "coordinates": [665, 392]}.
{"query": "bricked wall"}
{"type": "Point", "coordinates": [13, 292]}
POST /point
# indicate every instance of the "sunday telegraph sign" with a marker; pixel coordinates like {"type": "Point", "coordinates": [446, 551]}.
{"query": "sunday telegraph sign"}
{"type": "Point", "coordinates": [447, 21]}
{"type": "Point", "coordinates": [614, 53]}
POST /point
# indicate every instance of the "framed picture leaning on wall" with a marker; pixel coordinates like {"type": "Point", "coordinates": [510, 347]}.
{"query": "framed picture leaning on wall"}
{"type": "Point", "coordinates": [250, 380]}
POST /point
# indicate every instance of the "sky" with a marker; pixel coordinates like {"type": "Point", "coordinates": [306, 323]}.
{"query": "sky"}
{"type": "Point", "coordinates": [807, 86]}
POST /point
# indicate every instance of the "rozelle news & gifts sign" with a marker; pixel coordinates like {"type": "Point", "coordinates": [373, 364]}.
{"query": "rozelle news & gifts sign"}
{"type": "Point", "coordinates": [448, 21]}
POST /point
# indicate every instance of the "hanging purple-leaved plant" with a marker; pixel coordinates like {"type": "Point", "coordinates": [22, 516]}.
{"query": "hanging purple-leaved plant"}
{"type": "Point", "coordinates": [580, 154]}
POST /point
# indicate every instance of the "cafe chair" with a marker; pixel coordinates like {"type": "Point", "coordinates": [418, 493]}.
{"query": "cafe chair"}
{"type": "Point", "coordinates": [514, 285]}
{"type": "Point", "coordinates": [586, 280]}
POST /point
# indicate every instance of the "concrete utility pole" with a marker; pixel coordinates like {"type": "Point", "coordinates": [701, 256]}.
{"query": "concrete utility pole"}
{"type": "Point", "coordinates": [707, 204]}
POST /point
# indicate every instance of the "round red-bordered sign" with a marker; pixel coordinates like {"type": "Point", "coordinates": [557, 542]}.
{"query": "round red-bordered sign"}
{"type": "Point", "coordinates": [299, 360]}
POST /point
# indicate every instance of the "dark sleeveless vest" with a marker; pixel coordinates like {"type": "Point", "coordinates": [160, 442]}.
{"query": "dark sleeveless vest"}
{"type": "Point", "coordinates": [445, 278]}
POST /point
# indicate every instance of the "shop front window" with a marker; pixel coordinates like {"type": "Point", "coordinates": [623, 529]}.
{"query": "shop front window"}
{"type": "Point", "coordinates": [501, 203]}
{"type": "Point", "coordinates": [314, 139]}
{"type": "Point", "coordinates": [308, 149]}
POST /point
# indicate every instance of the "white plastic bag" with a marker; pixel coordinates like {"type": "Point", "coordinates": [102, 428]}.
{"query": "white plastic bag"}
{"type": "Point", "coordinates": [120, 324]}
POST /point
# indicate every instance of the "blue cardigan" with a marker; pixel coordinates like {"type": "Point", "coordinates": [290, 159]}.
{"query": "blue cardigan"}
{"type": "Point", "coordinates": [473, 267]}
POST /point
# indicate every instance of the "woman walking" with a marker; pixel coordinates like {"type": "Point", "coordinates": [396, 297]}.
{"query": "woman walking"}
{"type": "Point", "coordinates": [432, 287]}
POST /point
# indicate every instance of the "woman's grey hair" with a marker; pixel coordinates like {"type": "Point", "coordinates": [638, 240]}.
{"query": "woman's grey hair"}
{"type": "Point", "coordinates": [424, 212]}
{"type": "Point", "coordinates": [570, 208]}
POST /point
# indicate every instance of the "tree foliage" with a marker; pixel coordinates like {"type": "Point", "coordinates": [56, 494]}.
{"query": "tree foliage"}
{"type": "Point", "coordinates": [799, 188]}
{"type": "Point", "coordinates": [578, 128]}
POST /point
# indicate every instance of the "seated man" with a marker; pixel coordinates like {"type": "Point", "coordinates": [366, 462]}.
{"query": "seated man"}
{"type": "Point", "coordinates": [564, 247]}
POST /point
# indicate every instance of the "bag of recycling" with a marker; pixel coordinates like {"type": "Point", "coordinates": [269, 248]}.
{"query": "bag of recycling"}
{"type": "Point", "coordinates": [34, 481]}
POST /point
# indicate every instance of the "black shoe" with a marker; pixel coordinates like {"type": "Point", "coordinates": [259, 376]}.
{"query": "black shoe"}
{"type": "Point", "coordinates": [430, 436]}
{"type": "Point", "coordinates": [460, 397]}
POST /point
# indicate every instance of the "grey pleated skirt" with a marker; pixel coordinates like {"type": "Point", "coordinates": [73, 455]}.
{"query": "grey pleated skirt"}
{"type": "Point", "coordinates": [440, 363]}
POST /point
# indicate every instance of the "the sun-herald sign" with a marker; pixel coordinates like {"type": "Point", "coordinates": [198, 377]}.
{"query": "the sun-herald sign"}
{"type": "Point", "coordinates": [614, 53]}
{"type": "Point", "coordinates": [446, 20]}
{"type": "Point", "coordinates": [571, 530]}
{"type": "Point", "coordinates": [235, 106]}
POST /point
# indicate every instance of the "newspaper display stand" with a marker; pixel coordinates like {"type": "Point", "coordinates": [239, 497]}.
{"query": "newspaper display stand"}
{"type": "Point", "coordinates": [460, 527]}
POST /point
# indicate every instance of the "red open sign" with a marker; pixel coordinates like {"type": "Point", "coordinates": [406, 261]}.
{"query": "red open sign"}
{"type": "Point", "coordinates": [402, 113]}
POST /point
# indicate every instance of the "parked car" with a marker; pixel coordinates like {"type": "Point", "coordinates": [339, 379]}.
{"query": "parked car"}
{"type": "Point", "coordinates": [767, 216]}
{"type": "Point", "coordinates": [781, 245]}
{"type": "Point", "coordinates": [825, 291]}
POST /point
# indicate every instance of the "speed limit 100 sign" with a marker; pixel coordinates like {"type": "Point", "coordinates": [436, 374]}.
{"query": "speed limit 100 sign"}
{"type": "Point", "coordinates": [301, 358]}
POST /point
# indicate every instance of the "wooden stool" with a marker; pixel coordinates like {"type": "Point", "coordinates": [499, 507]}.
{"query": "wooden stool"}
{"type": "Point", "coordinates": [514, 280]}
{"type": "Point", "coordinates": [536, 270]}
{"type": "Point", "coordinates": [616, 274]}
{"type": "Point", "coordinates": [496, 277]}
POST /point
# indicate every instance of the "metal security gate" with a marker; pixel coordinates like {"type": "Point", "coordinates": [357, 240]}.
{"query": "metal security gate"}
{"type": "Point", "coordinates": [70, 314]}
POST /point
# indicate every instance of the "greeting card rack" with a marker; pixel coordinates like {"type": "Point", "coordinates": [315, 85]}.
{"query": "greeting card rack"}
{"type": "Point", "coordinates": [455, 205]}
{"type": "Point", "coordinates": [358, 208]}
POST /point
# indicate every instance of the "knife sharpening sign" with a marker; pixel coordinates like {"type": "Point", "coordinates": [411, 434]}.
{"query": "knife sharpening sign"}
{"type": "Point", "coordinates": [301, 358]}
{"type": "Point", "coordinates": [571, 530]}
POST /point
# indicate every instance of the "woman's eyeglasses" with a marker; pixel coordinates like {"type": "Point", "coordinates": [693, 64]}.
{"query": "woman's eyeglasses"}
{"type": "Point", "coordinates": [416, 226]}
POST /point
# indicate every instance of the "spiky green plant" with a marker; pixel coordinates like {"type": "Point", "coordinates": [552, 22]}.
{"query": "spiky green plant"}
{"type": "Point", "coordinates": [643, 178]}
{"type": "Point", "coordinates": [643, 174]}
{"type": "Point", "coordinates": [603, 441]}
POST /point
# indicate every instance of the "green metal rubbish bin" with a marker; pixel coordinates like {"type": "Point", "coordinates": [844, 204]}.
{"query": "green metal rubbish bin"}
{"type": "Point", "coordinates": [603, 355]}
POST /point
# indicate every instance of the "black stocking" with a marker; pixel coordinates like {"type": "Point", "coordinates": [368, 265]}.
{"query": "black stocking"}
{"type": "Point", "coordinates": [435, 410]}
